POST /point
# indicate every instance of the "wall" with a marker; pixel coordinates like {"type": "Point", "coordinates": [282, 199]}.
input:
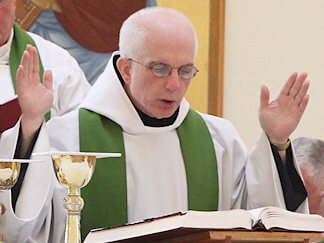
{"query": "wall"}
{"type": "Point", "coordinates": [198, 12]}
{"type": "Point", "coordinates": [265, 41]}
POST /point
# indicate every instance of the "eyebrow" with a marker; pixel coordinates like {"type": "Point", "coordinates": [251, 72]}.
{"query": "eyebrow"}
{"type": "Point", "coordinates": [153, 63]}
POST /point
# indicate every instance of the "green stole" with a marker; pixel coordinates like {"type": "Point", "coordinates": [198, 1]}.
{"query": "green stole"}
{"type": "Point", "coordinates": [18, 46]}
{"type": "Point", "coordinates": [106, 194]}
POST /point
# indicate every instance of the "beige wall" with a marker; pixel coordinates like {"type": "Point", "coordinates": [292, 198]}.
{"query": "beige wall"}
{"type": "Point", "coordinates": [198, 12]}
{"type": "Point", "coordinates": [265, 41]}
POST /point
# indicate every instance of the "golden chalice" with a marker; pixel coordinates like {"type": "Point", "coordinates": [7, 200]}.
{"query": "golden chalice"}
{"type": "Point", "coordinates": [9, 172]}
{"type": "Point", "coordinates": [74, 170]}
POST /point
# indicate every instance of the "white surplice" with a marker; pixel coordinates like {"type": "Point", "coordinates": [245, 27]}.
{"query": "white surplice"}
{"type": "Point", "coordinates": [31, 221]}
{"type": "Point", "coordinates": [156, 179]}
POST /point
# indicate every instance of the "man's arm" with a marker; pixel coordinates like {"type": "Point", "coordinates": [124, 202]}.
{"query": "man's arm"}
{"type": "Point", "coordinates": [278, 119]}
{"type": "Point", "coordinates": [35, 99]}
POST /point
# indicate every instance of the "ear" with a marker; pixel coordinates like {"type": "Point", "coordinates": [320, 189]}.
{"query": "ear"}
{"type": "Point", "coordinates": [124, 67]}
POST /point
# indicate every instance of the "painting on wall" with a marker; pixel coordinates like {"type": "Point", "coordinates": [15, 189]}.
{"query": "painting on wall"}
{"type": "Point", "coordinates": [88, 30]}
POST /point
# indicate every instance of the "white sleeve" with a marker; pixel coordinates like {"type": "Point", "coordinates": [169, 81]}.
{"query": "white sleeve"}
{"type": "Point", "coordinates": [31, 221]}
{"type": "Point", "coordinates": [246, 181]}
{"type": "Point", "coordinates": [263, 182]}
{"type": "Point", "coordinates": [8, 142]}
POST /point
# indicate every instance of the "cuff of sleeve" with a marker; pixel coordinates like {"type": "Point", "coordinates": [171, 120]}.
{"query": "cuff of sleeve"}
{"type": "Point", "coordinates": [281, 147]}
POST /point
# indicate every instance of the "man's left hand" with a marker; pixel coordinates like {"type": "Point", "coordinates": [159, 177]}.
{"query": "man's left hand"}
{"type": "Point", "coordinates": [280, 117]}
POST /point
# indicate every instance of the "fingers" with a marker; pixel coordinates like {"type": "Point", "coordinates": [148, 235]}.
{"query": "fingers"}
{"type": "Point", "coordinates": [48, 79]}
{"type": "Point", "coordinates": [302, 92]}
{"type": "Point", "coordinates": [291, 80]}
{"type": "Point", "coordinates": [25, 61]}
{"type": "Point", "coordinates": [304, 103]}
{"type": "Point", "coordinates": [20, 75]}
{"type": "Point", "coordinates": [30, 63]}
{"type": "Point", "coordinates": [264, 96]}
{"type": "Point", "coordinates": [34, 56]}
{"type": "Point", "coordinates": [28, 72]}
{"type": "Point", "coordinates": [294, 90]}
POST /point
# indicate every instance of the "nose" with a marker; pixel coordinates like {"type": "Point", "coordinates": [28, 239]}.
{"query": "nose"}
{"type": "Point", "coordinates": [173, 81]}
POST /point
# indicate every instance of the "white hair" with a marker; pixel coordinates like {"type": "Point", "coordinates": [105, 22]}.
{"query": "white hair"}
{"type": "Point", "coordinates": [135, 29]}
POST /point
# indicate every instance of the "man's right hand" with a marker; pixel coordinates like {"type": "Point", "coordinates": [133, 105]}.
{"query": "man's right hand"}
{"type": "Point", "coordinates": [35, 99]}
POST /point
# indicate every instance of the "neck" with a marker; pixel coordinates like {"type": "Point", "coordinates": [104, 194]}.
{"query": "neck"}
{"type": "Point", "coordinates": [154, 122]}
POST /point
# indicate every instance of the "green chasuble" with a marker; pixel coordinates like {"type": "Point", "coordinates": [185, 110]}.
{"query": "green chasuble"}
{"type": "Point", "coordinates": [18, 46]}
{"type": "Point", "coordinates": [106, 194]}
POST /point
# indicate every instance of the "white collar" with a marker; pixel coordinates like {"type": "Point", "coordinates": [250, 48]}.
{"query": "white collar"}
{"type": "Point", "coordinates": [108, 98]}
{"type": "Point", "coordinates": [5, 50]}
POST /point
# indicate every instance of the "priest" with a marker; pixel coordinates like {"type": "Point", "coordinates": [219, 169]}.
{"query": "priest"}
{"type": "Point", "coordinates": [174, 158]}
{"type": "Point", "coordinates": [52, 86]}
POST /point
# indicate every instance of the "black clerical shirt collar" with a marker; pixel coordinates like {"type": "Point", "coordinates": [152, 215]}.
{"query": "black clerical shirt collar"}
{"type": "Point", "coordinates": [148, 120]}
{"type": "Point", "coordinates": [154, 122]}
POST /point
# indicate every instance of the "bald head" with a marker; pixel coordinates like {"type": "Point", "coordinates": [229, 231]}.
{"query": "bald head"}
{"type": "Point", "coordinates": [139, 28]}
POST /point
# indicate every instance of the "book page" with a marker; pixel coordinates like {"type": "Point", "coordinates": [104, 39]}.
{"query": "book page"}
{"type": "Point", "coordinates": [230, 219]}
{"type": "Point", "coordinates": [256, 216]}
{"type": "Point", "coordinates": [273, 217]}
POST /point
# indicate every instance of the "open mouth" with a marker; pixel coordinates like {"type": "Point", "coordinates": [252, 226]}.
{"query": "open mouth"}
{"type": "Point", "coordinates": [168, 101]}
{"type": "Point", "coordinates": [167, 104]}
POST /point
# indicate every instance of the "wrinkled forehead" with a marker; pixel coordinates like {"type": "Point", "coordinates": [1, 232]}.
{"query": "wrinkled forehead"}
{"type": "Point", "coordinates": [169, 38]}
{"type": "Point", "coordinates": [175, 51]}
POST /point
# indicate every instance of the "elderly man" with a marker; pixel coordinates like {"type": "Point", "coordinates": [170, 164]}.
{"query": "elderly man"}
{"type": "Point", "coordinates": [174, 158]}
{"type": "Point", "coordinates": [36, 99]}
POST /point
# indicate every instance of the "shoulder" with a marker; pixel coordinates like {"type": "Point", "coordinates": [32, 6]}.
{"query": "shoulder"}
{"type": "Point", "coordinates": [224, 135]}
{"type": "Point", "coordinates": [221, 129]}
{"type": "Point", "coordinates": [217, 123]}
{"type": "Point", "coordinates": [42, 43]}
{"type": "Point", "coordinates": [64, 122]}
{"type": "Point", "coordinates": [50, 53]}
{"type": "Point", "coordinates": [63, 131]}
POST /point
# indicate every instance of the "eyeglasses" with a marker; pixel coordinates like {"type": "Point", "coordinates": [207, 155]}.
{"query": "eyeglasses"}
{"type": "Point", "coordinates": [162, 70]}
{"type": "Point", "coordinates": [4, 3]}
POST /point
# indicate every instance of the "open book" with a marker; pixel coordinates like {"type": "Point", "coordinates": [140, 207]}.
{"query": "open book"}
{"type": "Point", "coordinates": [267, 218]}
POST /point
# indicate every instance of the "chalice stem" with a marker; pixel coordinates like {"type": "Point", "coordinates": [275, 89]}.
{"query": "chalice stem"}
{"type": "Point", "coordinates": [2, 211]}
{"type": "Point", "coordinates": [73, 203]}
{"type": "Point", "coordinates": [72, 233]}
